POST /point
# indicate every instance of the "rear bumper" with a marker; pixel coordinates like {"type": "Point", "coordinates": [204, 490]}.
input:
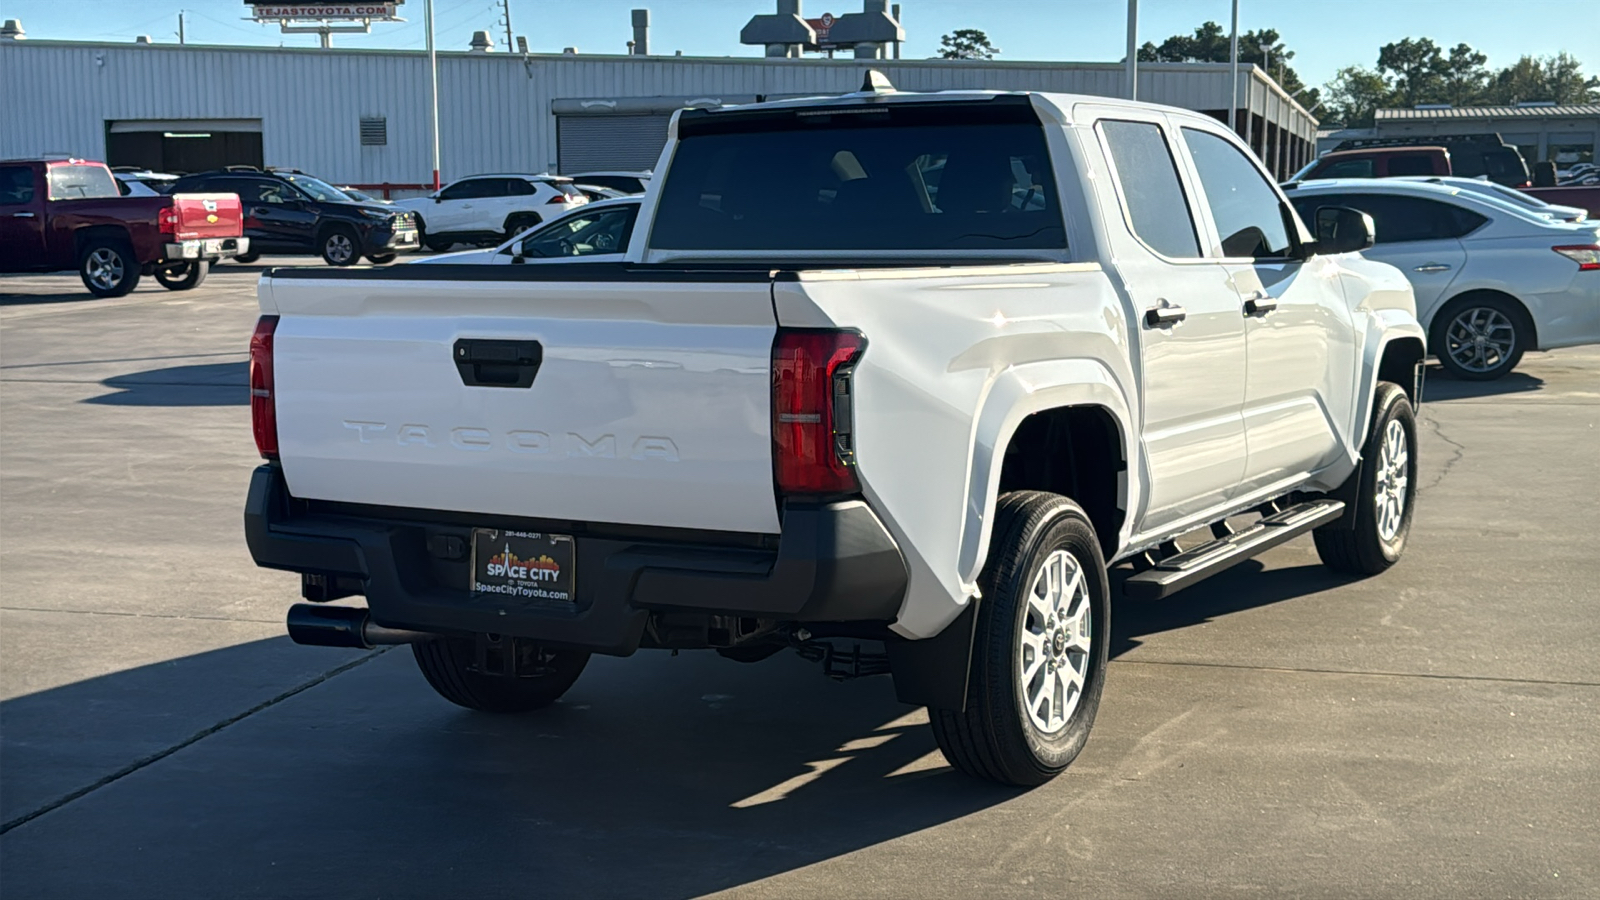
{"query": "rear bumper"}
{"type": "Point", "coordinates": [834, 562]}
{"type": "Point", "coordinates": [206, 248]}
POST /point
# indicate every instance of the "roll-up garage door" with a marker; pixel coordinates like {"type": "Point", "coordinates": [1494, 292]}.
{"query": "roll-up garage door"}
{"type": "Point", "coordinates": [590, 143]}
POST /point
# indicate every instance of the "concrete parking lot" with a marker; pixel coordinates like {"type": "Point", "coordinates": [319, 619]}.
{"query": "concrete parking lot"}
{"type": "Point", "coordinates": [1277, 731]}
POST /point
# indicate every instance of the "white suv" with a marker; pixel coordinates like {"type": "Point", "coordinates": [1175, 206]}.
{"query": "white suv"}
{"type": "Point", "coordinates": [487, 209]}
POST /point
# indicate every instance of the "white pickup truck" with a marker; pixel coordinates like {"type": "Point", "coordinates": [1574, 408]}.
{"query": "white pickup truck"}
{"type": "Point", "coordinates": [886, 367]}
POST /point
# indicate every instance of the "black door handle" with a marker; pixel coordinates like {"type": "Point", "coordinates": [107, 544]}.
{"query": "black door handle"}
{"type": "Point", "coordinates": [489, 363]}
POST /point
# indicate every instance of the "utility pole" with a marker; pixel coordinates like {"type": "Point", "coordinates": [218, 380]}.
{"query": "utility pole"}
{"type": "Point", "coordinates": [1133, 49]}
{"type": "Point", "coordinates": [1233, 68]}
{"type": "Point", "coordinates": [180, 26]}
{"type": "Point", "coordinates": [505, 6]}
{"type": "Point", "coordinates": [433, 71]}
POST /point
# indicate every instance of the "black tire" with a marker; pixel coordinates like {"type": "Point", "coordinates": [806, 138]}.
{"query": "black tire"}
{"type": "Point", "coordinates": [517, 223]}
{"type": "Point", "coordinates": [381, 259]}
{"type": "Point", "coordinates": [1465, 326]}
{"type": "Point", "coordinates": [108, 267]}
{"type": "Point", "coordinates": [184, 276]}
{"type": "Point", "coordinates": [449, 664]}
{"type": "Point", "coordinates": [1364, 548]}
{"type": "Point", "coordinates": [996, 738]}
{"type": "Point", "coordinates": [340, 246]}
{"type": "Point", "coordinates": [245, 259]}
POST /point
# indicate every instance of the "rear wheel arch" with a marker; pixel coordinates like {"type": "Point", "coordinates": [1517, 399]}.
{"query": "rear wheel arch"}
{"type": "Point", "coordinates": [83, 237]}
{"type": "Point", "coordinates": [1077, 452]}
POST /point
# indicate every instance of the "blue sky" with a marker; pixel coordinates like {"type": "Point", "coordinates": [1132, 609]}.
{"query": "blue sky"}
{"type": "Point", "coordinates": [1325, 34]}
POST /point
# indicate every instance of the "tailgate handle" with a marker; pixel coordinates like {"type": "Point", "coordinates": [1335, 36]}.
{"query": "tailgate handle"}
{"type": "Point", "coordinates": [489, 363]}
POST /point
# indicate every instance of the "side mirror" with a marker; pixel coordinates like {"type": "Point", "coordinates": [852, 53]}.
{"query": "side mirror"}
{"type": "Point", "coordinates": [1341, 229]}
{"type": "Point", "coordinates": [437, 198]}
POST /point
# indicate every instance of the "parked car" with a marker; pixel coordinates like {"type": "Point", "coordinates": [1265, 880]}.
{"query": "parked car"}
{"type": "Point", "coordinates": [365, 197]}
{"type": "Point", "coordinates": [487, 209]}
{"type": "Point", "coordinates": [814, 403]}
{"type": "Point", "coordinates": [595, 232]}
{"type": "Point", "coordinates": [1507, 195]}
{"type": "Point", "coordinates": [295, 213]}
{"type": "Point", "coordinates": [133, 181]}
{"type": "Point", "coordinates": [133, 187]}
{"type": "Point", "coordinates": [626, 182]}
{"type": "Point", "coordinates": [1384, 163]}
{"type": "Point", "coordinates": [1492, 280]}
{"type": "Point", "coordinates": [60, 214]}
{"type": "Point", "coordinates": [1484, 155]}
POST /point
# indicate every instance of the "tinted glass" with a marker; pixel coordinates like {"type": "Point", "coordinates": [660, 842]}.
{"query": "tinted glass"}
{"type": "Point", "coordinates": [1346, 168]}
{"type": "Point", "coordinates": [1243, 204]}
{"type": "Point", "coordinates": [1506, 165]}
{"type": "Point", "coordinates": [16, 184]}
{"type": "Point", "coordinates": [884, 181]}
{"type": "Point", "coordinates": [1148, 176]}
{"type": "Point", "coordinates": [465, 190]}
{"type": "Point", "coordinates": [518, 187]}
{"type": "Point", "coordinates": [623, 183]}
{"type": "Point", "coordinates": [1413, 164]}
{"type": "Point", "coordinates": [583, 235]}
{"type": "Point", "coordinates": [81, 183]}
{"type": "Point", "coordinates": [318, 189]}
{"type": "Point", "coordinates": [1397, 219]}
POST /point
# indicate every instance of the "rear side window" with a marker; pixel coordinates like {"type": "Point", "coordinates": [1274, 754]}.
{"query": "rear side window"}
{"type": "Point", "coordinates": [1410, 164]}
{"type": "Point", "coordinates": [873, 179]}
{"type": "Point", "coordinates": [1505, 164]}
{"type": "Point", "coordinates": [1347, 168]}
{"type": "Point", "coordinates": [1148, 176]}
{"type": "Point", "coordinates": [1245, 208]}
{"type": "Point", "coordinates": [81, 183]}
{"type": "Point", "coordinates": [16, 185]}
{"type": "Point", "coordinates": [467, 190]}
{"type": "Point", "coordinates": [519, 187]}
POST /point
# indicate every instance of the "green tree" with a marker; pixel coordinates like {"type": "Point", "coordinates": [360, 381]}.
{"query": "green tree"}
{"type": "Point", "coordinates": [1418, 69]}
{"type": "Point", "coordinates": [1564, 81]}
{"type": "Point", "coordinates": [1210, 43]}
{"type": "Point", "coordinates": [1354, 94]}
{"type": "Point", "coordinates": [967, 43]}
{"type": "Point", "coordinates": [1465, 75]}
{"type": "Point", "coordinates": [1551, 79]}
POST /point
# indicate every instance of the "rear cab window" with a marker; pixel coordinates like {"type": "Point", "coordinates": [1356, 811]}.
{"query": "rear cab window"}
{"type": "Point", "coordinates": [69, 181]}
{"type": "Point", "coordinates": [890, 177]}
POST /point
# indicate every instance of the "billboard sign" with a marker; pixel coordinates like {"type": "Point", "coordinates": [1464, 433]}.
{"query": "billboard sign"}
{"type": "Point", "coordinates": [822, 26]}
{"type": "Point", "coordinates": [263, 10]}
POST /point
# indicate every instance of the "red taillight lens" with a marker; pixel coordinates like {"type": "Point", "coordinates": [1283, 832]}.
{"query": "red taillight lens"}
{"type": "Point", "coordinates": [1587, 256]}
{"type": "Point", "coordinates": [167, 220]}
{"type": "Point", "coordinates": [559, 198]}
{"type": "Point", "coordinates": [812, 425]}
{"type": "Point", "coordinates": [263, 412]}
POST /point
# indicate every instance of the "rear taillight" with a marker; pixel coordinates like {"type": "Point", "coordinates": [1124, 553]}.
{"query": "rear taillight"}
{"type": "Point", "coordinates": [167, 220]}
{"type": "Point", "coordinates": [1587, 256]}
{"type": "Point", "coordinates": [263, 412]}
{"type": "Point", "coordinates": [560, 198]}
{"type": "Point", "coordinates": [812, 425]}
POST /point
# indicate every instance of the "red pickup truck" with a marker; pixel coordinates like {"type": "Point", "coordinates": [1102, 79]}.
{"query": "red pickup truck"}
{"type": "Point", "coordinates": [60, 214]}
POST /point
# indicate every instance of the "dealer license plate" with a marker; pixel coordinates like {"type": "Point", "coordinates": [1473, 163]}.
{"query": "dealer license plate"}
{"type": "Point", "coordinates": [523, 565]}
{"type": "Point", "coordinates": [405, 237]}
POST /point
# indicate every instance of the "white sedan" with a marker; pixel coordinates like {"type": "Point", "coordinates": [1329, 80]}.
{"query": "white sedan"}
{"type": "Point", "coordinates": [597, 232]}
{"type": "Point", "coordinates": [1492, 280]}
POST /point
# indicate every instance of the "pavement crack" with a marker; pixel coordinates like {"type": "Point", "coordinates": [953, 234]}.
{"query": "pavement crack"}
{"type": "Point", "coordinates": [1310, 671]}
{"type": "Point", "coordinates": [195, 738]}
{"type": "Point", "coordinates": [1457, 452]}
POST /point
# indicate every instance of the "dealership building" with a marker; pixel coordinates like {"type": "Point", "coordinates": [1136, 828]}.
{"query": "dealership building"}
{"type": "Point", "coordinates": [361, 117]}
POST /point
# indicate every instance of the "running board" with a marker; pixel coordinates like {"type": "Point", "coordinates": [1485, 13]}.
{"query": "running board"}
{"type": "Point", "coordinates": [1180, 570]}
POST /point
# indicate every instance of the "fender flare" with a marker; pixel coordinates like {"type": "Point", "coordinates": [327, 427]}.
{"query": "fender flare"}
{"type": "Point", "coordinates": [1016, 393]}
{"type": "Point", "coordinates": [1384, 327]}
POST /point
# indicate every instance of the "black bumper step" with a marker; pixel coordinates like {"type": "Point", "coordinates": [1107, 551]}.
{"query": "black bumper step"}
{"type": "Point", "coordinates": [1180, 570]}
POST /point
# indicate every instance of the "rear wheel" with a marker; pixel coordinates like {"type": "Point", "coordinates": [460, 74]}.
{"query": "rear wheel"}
{"type": "Point", "coordinates": [1039, 654]}
{"type": "Point", "coordinates": [1482, 337]}
{"type": "Point", "coordinates": [339, 247]}
{"type": "Point", "coordinates": [183, 276]}
{"type": "Point", "coordinates": [517, 223]}
{"type": "Point", "coordinates": [108, 268]}
{"type": "Point", "coordinates": [1385, 492]}
{"type": "Point", "coordinates": [512, 675]}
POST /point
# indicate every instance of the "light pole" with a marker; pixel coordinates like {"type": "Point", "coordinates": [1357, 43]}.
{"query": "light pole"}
{"type": "Point", "coordinates": [1233, 70]}
{"type": "Point", "coordinates": [1133, 49]}
{"type": "Point", "coordinates": [433, 71]}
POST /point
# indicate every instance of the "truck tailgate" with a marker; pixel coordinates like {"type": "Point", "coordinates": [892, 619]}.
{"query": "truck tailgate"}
{"type": "Point", "coordinates": [649, 401]}
{"type": "Point", "coordinates": [203, 216]}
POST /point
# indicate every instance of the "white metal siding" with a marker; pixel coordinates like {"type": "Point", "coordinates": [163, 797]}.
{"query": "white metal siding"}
{"type": "Point", "coordinates": [495, 109]}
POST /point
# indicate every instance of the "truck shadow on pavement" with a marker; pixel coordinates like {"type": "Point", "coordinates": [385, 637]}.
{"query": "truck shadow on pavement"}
{"type": "Point", "coordinates": [206, 384]}
{"type": "Point", "coordinates": [656, 776]}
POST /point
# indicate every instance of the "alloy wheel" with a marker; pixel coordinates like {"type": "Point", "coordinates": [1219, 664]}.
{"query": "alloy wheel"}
{"type": "Point", "coordinates": [104, 268]}
{"type": "Point", "coordinates": [1393, 479]}
{"type": "Point", "coordinates": [1053, 642]}
{"type": "Point", "coordinates": [1480, 339]}
{"type": "Point", "coordinates": [339, 248]}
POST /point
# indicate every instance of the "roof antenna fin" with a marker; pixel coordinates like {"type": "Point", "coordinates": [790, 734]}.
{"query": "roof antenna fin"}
{"type": "Point", "coordinates": [876, 83]}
